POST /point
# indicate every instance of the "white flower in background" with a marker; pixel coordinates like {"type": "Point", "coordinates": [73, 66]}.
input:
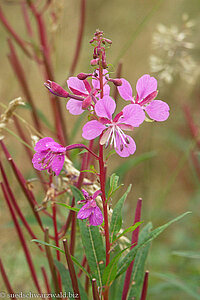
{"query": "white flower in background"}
{"type": "Point", "coordinates": [173, 55]}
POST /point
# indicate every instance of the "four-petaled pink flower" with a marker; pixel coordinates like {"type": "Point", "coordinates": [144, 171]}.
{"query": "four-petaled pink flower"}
{"type": "Point", "coordinates": [90, 210]}
{"type": "Point", "coordinates": [49, 155]}
{"type": "Point", "coordinates": [111, 130]}
{"type": "Point", "coordinates": [84, 89]}
{"type": "Point", "coordinates": [146, 88]}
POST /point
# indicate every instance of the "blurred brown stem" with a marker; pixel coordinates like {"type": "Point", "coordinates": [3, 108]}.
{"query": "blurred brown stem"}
{"type": "Point", "coordinates": [79, 38]}
{"type": "Point", "coordinates": [6, 280]}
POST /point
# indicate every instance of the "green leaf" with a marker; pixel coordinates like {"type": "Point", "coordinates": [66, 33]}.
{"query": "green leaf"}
{"type": "Point", "coordinates": [116, 221]}
{"type": "Point", "coordinates": [188, 254]}
{"type": "Point", "coordinates": [68, 206]}
{"type": "Point", "coordinates": [129, 229]}
{"type": "Point", "coordinates": [139, 265]}
{"type": "Point", "coordinates": [125, 262]}
{"type": "Point", "coordinates": [177, 282]}
{"type": "Point", "coordinates": [66, 281]}
{"type": "Point", "coordinates": [94, 249]}
{"type": "Point", "coordinates": [76, 193]}
{"type": "Point", "coordinates": [62, 251]}
{"type": "Point", "coordinates": [132, 162]}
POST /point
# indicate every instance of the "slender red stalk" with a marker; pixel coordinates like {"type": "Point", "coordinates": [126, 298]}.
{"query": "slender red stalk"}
{"type": "Point", "coordinates": [78, 185]}
{"type": "Point", "coordinates": [134, 242]}
{"type": "Point", "coordinates": [29, 195]}
{"type": "Point", "coordinates": [20, 75]}
{"type": "Point", "coordinates": [79, 38]}
{"type": "Point", "coordinates": [58, 118]}
{"type": "Point", "coordinates": [22, 240]}
{"type": "Point", "coordinates": [6, 280]}
{"type": "Point", "coordinates": [118, 75]}
{"type": "Point", "coordinates": [84, 260]}
{"type": "Point", "coordinates": [193, 128]}
{"type": "Point", "coordinates": [18, 40]}
{"type": "Point", "coordinates": [71, 269]}
{"type": "Point", "coordinates": [51, 262]}
{"type": "Point", "coordinates": [15, 204]}
{"type": "Point", "coordinates": [145, 286]}
{"type": "Point", "coordinates": [95, 290]}
{"type": "Point", "coordinates": [46, 280]}
{"type": "Point", "coordinates": [26, 18]}
{"type": "Point", "coordinates": [87, 280]}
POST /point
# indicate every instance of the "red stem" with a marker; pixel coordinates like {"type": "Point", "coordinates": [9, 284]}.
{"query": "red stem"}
{"type": "Point", "coordinates": [14, 202]}
{"type": "Point", "coordinates": [29, 195]}
{"type": "Point", "coordinates": [55, 230]}
{"type": "Point", "coordinates": [18, 70]}
{"type": "Point", "coordinates": [17, 39]}
{"type": "Point", "coordinates": [134, 242]}
{"type": "Point", "coordinates": [46, 281]}
{"type": "Point", "coordinates": [79, 38]}
{"type": "Point", "coordinates": [26, 19]}
{"type": "Point", "coordinates": [71, 269]}
{"type": "Point", "coordinates": [118, 75]}
{"type": "Point", "coordinates": [84, 260]}
{"type": "Point", "coordinates": [6, 280]}
{"type": "Point", "coordinates": [22, 240]}
{"type": "Point", "coordinates": [145, 286]}
{"type": "Point", "coordinates": [58, 119]}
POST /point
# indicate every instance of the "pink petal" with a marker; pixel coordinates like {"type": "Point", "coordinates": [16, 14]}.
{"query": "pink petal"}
{"type": "Point", "coordinates": [125, 90]}
{"type": "Point", "coordinates": [126, 149]}
{"type": "Point", "coordinates": [96, 217]}
{"type": "Point", "coordinates": [158, 110]}
{"type": "Point", "coordinates": [77, 86]}
{"type": "Point", "coordinates": [41, 145]}
{"type": "Point", "coordinates": [85, 193]}
{"type": "Point", "coordinates": [57, 164]}
{"type": "Point", "coordinates": [55, 147]}
{"type": "Point", "coordinates": [74, 107]}
{"type": "Point", "coordinates": [85, 212]}
{"type": "Point", "coordinates": [133, 114]}
{"type": "Point", "coordinates": [145, 86]}
{"type": "Point", "coordinates": [96, 194]}
{"type": "Point", "coordinates": [105, 107]}
{"type": "Point", "coordinates": [92, 129]}
{"type": "Point", "coordinates": [37, 158]}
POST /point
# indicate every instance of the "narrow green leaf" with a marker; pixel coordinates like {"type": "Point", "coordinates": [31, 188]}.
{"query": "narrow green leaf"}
{"type": "Point", "coordinates": [62, 251]}
{"type": "Point", "coordinates": [94, 250]}
{"type": "Point", "coordinates": [76, 193]}
{"type": "Point", "coordinates": [133, 162]}
{"type": "Point", "coordinates": [125, 262]}
{"type": "Point", "coordinates": [188, 254]}
{"type": "Point", "coordinates": [189, 289]}
{"type": "Point", "coordinates": [68, 206]}
{"type": "Point", "coordinates": [116, 221]}
{"type": "Point", "coordinates": [139, 265]}
{"type": "Point", "coordinates": [129, 229]}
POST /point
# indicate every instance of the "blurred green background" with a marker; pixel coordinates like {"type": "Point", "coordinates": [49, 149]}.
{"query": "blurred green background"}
{"type": "Point", "coordinates": [167, 181]}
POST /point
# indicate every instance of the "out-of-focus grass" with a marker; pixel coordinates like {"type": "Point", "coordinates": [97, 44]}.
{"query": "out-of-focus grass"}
{"type": "Point", "coordinates": [170, 140]}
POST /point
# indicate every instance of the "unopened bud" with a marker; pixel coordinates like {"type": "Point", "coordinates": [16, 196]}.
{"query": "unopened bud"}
{"type": "Point", "coordinates": [83, 76]}
{"type": "Point", "coordinates": [116, 81]}
{"type": "Point", "coordinates": [108, 41]}
{"type": "Point", "coordinates": [56, 89]}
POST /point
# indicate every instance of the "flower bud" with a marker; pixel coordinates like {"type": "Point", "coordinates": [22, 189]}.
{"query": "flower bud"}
{"type": "Point", "coordinates": [83, 76]}
{"type": "Point", "coordinates": [116, 81]}
{"type": "Point", "coordinates": [56, 89]}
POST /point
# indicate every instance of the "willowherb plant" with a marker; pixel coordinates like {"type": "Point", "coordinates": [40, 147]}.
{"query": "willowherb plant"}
{"type": "Point", "coordinates": [113, 265]}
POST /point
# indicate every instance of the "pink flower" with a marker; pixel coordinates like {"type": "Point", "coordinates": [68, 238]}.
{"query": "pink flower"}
{"type": "Point", "coordinates": [90, 210]}
{"type": "Point", "coordinates": [111, 130]}
{"type": "Point", "coordinates": [84, 89]}
{"type": "Point", "coordinates": [49, 155]}
{"type": "Point", "coordinates": [146, 92]}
